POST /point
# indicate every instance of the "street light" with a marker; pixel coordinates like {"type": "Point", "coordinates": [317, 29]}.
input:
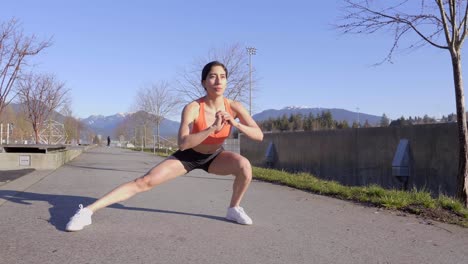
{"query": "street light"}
{"type": "Point", "coordinates": [251, 51]}
{"type": "Point", "coordinates": [359, 123]}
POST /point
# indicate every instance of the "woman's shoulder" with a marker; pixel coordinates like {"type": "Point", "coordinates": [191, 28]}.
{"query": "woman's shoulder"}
{"type": "Point", "coordinates": [192, 105]}
{"type": "Point", "coordinates": [196, 102]}
{"type": "Point", "coordinates": [192, 108]}
{"type": "Point", "coordinates": [235, 105]}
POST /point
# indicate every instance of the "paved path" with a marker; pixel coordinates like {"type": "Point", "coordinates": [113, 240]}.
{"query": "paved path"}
{"type": "Point", "coordinates": [182, 221]}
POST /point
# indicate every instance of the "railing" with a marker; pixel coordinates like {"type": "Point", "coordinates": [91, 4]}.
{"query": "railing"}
{"type": "Point", "coordinates": [232, 144]}
{"type": "Point", "coordinates": [166, 144]}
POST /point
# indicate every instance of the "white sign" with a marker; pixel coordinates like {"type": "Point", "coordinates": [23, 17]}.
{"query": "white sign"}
{"type": "Point", "coordinates": [25, 160]}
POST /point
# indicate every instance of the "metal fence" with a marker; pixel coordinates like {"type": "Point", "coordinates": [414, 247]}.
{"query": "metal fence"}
{"type": "Point", "coordinates": [232, 144]}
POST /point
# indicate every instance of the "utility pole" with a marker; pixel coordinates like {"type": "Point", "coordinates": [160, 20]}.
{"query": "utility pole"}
{"type": "Point", "coordinates": [359, 124]}
{"type": "Point", "coordinates": [251, 51]}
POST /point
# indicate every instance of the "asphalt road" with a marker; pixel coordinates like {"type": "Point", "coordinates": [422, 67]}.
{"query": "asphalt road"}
{"type": "Point", "coordinates": [182, 221]}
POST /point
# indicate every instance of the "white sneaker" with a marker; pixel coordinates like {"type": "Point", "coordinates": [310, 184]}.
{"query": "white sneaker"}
{"type": "Point", "coordinates": [238, 215]}
{"type": "Point", "coordinates": [81, 219]}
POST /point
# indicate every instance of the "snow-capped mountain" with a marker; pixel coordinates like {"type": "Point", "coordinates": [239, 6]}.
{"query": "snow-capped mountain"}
{"type": "Point", "coordinates": [295, 107]}
{"type": "Point", "coordinates": [106, 125]}
{"type": "Point", "coordinates": [99, 122]}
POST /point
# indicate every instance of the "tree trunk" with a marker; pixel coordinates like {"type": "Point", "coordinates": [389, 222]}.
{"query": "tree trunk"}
{"type": "Point", "coordinates": [36, 134]}
{"type": "Point", "coordinates": [462, 177]}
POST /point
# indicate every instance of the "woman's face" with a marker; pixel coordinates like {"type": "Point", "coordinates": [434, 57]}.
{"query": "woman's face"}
{"type": "Point", "coordinates": [216, 81]}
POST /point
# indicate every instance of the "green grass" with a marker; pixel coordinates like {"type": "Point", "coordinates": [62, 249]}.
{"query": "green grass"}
{"type": "Point", "coordinates": [450, 203]}
{"type": "Point", "coordinates": [421, 202]}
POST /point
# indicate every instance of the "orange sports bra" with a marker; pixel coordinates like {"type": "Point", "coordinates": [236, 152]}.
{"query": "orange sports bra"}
{"type": "Point", "coordinates": [200, 124]}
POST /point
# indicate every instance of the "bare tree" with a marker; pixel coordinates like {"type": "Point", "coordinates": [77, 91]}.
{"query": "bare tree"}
{"type": "Point", "coordinates": [235, 58]}
{"type": "Point", "coordinates": [124, 129]}
{"type": "Point", "coordinates": [40, 96]}
{"type": "Point", "coordinates": [72, 125]}
{"type": "Point", "coordinates": [135, 126]}
{"type": "Point", "coordinates": [15, 49]}
{"type": "Point", "coordinates": [158, 101]}
{"type": "Point", "coordinates": [69, 123]}
{"type": "Point", "coordinates": [439, 23]}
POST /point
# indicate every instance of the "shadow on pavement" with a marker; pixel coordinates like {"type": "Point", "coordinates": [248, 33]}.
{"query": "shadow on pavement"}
{"type": "Point", "coordinates": [100, 168]}
{"type": "Point", "coordinates": [64, 206]}
{"type": "Point", "coordinates": [11, 175]}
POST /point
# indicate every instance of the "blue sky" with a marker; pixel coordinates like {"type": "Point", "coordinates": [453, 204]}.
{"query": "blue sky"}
{"type": "Point", "coordinates": [106, 50]}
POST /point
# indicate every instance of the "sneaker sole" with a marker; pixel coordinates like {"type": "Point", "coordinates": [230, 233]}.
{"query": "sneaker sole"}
{"type": "Point", "coordinates": [78, 229]}
{"type": "Point", "coordinates": [235, 221]}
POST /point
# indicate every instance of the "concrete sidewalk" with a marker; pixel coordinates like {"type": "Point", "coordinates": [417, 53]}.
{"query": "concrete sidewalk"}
{"type": "Point", "coordinates": [182, 221]}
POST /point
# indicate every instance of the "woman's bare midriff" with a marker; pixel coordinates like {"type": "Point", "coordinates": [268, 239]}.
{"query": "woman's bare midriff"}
{"type": "Point", "coordinates": [207, 148]}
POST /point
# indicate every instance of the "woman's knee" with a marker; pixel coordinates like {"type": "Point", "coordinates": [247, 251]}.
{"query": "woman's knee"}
{"type": "Point", "coordinates": [244, 163]}
{"type": "Point", "coordinates": [154, 177]}
{"type": "Point", "coordinates": [245, 168]}
{"type": "Point", "coordinates": [144, 183]}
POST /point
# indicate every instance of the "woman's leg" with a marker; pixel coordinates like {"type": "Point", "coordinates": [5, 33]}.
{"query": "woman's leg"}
{"type": "Point", "coordinates": [227, 163]}
{"type": "Point", "coordinates": [164, 171]}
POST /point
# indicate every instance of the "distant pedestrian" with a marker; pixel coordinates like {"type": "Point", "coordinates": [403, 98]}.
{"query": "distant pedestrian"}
{"type": "Point", "coordinates": [108, 141]}
{"type": "Point", "coordinates": [205, 124]}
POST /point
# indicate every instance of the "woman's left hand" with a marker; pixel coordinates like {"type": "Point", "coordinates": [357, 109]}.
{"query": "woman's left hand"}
{"type": "Point", "coordinates": [227, 118]}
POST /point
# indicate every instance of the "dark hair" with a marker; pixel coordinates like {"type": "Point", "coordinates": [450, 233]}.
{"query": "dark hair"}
{"type": "Point", "coordinates": [208, 67]}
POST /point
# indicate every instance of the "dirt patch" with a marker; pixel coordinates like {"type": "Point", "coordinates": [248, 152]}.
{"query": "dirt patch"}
{"type": "Point", "coordinates": [437, 214]}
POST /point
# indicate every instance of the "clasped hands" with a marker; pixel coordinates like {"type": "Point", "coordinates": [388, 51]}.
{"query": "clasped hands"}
{"type": "Point", "coordinates": [221, 119]}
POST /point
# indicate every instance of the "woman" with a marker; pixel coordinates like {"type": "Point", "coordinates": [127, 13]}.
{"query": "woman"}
{"type": "Point", "coordinates": [200, 147]}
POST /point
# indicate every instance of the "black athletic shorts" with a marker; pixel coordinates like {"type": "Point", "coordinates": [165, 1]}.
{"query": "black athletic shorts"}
{"type": "Point", "coordinates": [196, 160]}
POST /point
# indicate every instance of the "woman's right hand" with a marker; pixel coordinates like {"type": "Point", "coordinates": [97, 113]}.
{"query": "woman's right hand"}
{"type": "Point", "coordinates": [219, 122]}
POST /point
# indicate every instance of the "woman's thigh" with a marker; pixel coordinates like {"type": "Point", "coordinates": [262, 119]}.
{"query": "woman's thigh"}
{"type": "Point", "coordinates": [227, 163]}
{"type": "Point", "coordinates": [168, 169]}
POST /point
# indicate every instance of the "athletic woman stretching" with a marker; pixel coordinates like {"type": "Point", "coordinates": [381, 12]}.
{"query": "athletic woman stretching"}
{"type": "Point", "coordinates": [204, 126]}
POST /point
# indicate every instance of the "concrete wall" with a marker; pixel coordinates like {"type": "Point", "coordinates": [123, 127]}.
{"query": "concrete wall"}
{"type": "Point", "coordinates": [364, 156]}
{"type": "Point", "coordinates": [39, 161]}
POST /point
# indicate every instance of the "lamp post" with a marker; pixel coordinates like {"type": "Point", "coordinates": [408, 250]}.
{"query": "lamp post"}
{"type": "Point", "coordinates": [359, 123]}
{"type": "Point", "coordinates": [251, 51]}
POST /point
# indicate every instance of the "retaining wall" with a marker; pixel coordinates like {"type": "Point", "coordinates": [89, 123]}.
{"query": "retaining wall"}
{"type": "Point", "coordinates": [364, 156]}
{"type": "Point", "coordinates": [38, 161]}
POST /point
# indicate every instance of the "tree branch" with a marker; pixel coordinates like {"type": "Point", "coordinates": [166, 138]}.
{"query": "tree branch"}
{"type": "Point", "coordinates": [463, 25]}
{"type": "Point", "coordinates": [443, 15]}
{"type": "Point", "coordinates": [370, 21]}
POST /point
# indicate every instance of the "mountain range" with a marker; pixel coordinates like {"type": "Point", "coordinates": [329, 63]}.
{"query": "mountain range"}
{"type": "Point", "coordinates": [106, 125]}
{"type": "Point", "coordinates": [338, 114]}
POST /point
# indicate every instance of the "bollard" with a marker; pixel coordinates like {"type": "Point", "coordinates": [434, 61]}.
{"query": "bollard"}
{"type": "Point", "coordinates": [402, 163]}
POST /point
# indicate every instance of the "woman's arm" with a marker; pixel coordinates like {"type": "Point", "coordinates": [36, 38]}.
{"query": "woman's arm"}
{"type": "Point", "coordinates": [246, 124]}
{"type": "Point", "coordinates": [189, 114]}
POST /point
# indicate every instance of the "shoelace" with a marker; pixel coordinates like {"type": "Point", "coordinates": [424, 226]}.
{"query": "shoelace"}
{"type": "Point", "coordinates": [78, 212]}
{"type": "Point", "coordinates": [240, 212]}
